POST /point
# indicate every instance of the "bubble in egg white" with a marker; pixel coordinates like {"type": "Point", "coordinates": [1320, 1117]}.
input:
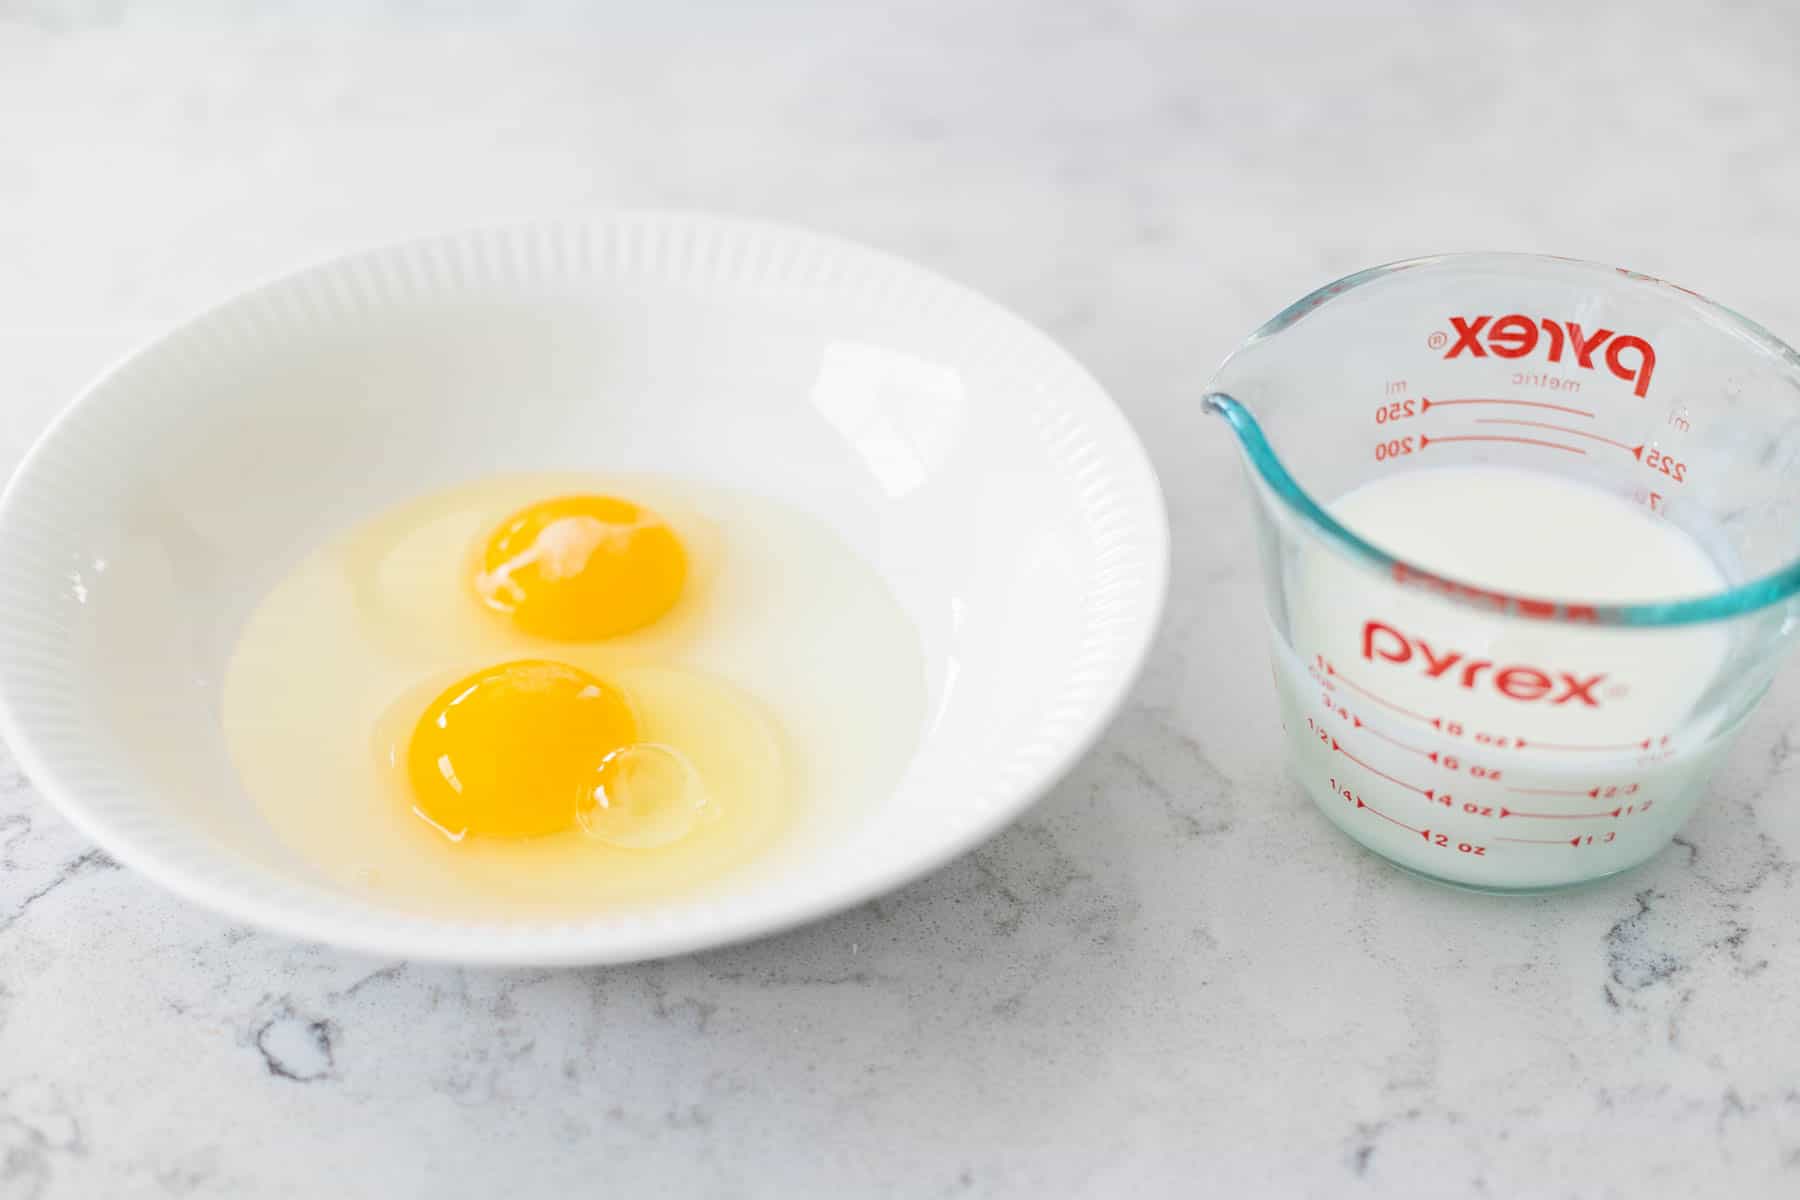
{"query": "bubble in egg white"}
{"type": "Point", "coordinates": [644, 796]}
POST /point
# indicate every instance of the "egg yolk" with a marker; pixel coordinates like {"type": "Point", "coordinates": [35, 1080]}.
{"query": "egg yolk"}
{"type": "Point", "coordinates": [512, 751]}
{"type": "Point", "coordinates": [579, 568]}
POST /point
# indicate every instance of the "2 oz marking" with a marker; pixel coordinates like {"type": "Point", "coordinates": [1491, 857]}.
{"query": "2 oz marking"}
{"type": "Point", "coordinates": [1443, 840]}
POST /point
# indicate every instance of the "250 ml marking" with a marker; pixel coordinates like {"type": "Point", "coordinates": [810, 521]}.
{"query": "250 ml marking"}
{"type": "Point", "coordinates": [1408, 408]}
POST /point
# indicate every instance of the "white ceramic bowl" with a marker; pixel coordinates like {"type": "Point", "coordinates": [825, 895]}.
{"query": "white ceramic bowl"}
{"type": "Point", "coordinates": [972, 462]}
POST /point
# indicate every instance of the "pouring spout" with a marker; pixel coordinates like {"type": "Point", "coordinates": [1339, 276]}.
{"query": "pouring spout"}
{"type": "Point", "coordinates": [1221, 405]}
{"type": "Point", "coordinates": [1250, 435]}
{"type": "Point", "coordinates": [1264, 463]}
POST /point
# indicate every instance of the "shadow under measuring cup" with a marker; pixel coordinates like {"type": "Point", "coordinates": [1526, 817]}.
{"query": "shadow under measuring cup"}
{"type": "Point", "coordinates": [1530, 533]}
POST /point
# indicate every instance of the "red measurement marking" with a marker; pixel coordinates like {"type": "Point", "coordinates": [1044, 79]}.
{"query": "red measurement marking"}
{"type": "Point", "coordinates": [1645, 744]}
{"type": "Point", "coordinates": [1593, 816]}
{"type": "Point", "coordinates": [1430, 441]}
{"type": "Point", "coordinates": [1426, 792]}
{"type": "Point", "coordinates": [1392, 741]}
{"type": "Point", "coordinates": [1592, 793]}
{"type": "Point", "coordinates": [1636, 451]}
{"type": "Point", "coordinates": [1361, 803]}
{"type": "Point", "coordinates": [1357, 687]}
{"type": "Point", "coordinates": [1540, 841]}
{"type": "Point", "coordinates": [1427, 405]}
{"type": "Point", "coordinates": [1385, 817]}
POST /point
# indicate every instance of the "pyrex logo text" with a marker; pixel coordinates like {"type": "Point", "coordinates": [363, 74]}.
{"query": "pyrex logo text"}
{"type": "Point", "coordinates": [1516, 335]}
{"type": "Point", "coordinates": [1387, 644]}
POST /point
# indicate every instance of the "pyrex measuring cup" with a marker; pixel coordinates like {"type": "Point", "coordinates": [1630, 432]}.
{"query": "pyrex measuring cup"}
{"type": "Point", "coordinates": [1493, 740]}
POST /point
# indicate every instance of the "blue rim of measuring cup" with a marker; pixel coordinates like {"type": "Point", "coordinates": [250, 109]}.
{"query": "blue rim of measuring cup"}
{"type": "Point", "coordinates": [1736, 601]}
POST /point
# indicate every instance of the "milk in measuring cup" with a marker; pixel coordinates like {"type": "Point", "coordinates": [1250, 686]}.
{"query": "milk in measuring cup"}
{"type": "Point", "coordinates": [1499, 752]}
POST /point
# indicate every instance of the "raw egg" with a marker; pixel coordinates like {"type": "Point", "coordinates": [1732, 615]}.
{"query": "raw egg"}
{"type": "Point", "coordinates": [549, 696]}
{"type": "Point", "coordinates": [515, 750]}
{"type": "Point", "coordinates": [581, 568]}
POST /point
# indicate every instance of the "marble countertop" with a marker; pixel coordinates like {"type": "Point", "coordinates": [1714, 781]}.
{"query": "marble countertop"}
{"type": "Point", "coordinates": [1172, 976]}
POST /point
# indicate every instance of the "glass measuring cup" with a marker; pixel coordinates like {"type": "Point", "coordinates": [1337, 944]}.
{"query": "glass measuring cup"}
{"type": "Point", "coordinates": [1516, 743]}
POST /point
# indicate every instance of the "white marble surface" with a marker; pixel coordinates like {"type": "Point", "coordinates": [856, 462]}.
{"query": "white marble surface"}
{"type": "Point", "coordinates": [1172, 977]}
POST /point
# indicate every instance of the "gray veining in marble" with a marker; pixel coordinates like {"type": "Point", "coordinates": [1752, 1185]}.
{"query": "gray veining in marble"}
{"type": "Point", "coordinates": [1170, 978]}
